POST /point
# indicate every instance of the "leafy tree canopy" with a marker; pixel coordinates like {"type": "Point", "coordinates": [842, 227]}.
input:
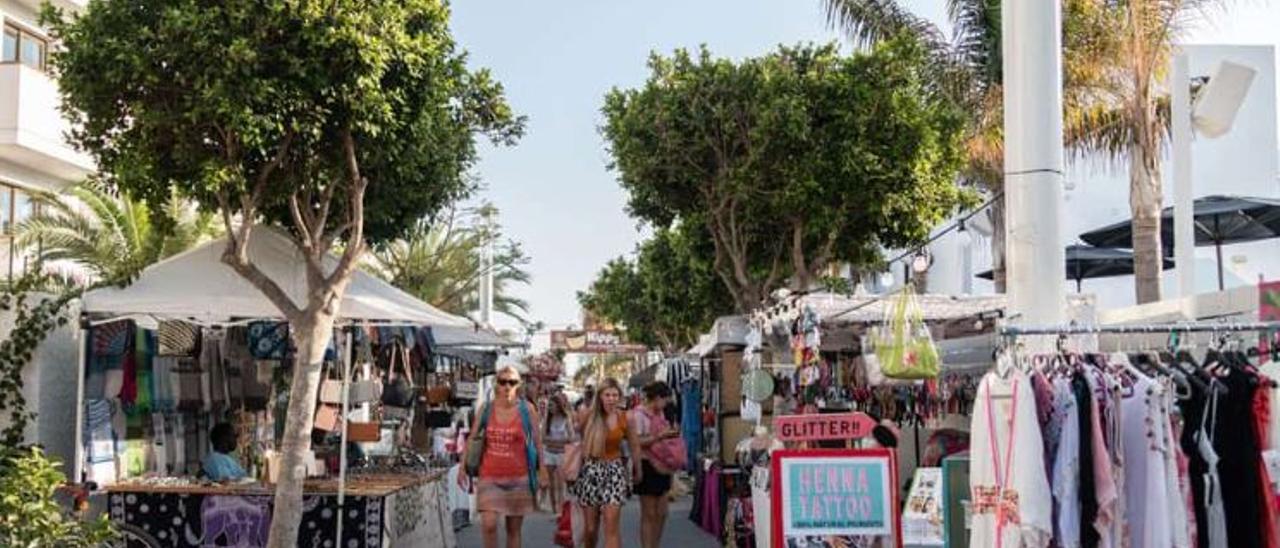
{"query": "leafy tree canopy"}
{"type": "Point", "coordinates": [265, 108]}
{"type": "Point", "coordinates": [667, 294]}
{"type": "Point", "coordinates": [793, 161]}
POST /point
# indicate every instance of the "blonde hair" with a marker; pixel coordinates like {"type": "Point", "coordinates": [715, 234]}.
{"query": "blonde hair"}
{"type": "Point", "coordinates": [596, 429]}
{"type": "Point", "coordinates": [508, 369]}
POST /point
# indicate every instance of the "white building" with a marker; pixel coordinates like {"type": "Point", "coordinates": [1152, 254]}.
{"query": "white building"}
{"type": "Point", "coordinates": [34, 156]}
{"type": "Point", "coordinates": [1242, 162]}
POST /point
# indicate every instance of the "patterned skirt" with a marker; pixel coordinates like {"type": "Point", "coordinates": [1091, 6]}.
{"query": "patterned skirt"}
{"type": "Point", "coordinates": [506, 496]}
{"type": "Point", "coordinates": [602, 482]}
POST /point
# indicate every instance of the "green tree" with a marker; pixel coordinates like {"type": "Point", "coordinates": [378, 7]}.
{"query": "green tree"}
{"type": "Point", "coordinates": [665, 295]}
{"type": "Point", "coordinates": [442, 263]}
{"type": "Point", "coordinates": [110, 234]}
{"type": "Point", "coordinates": [30, 516]}
{"type": "Point", "coordinates": [343, 121]}
{"type": "Point", "coordinates": [614, 366]}
{"type": "Point", "coordinates": [792, 161]}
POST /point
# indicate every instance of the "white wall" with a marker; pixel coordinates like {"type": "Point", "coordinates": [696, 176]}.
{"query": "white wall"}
{"type": "Point", "coordinates": [50, 388]}
{"type": "Point", "coordinates": [1242, 162]}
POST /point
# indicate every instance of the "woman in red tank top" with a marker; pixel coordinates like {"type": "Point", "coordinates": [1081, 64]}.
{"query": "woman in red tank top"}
{"type": "Point", "coordinates": [502, 489]}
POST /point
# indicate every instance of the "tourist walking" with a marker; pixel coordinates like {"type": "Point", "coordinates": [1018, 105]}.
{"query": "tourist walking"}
{"type": "Point", "coordinates": [656, 460]}
{"type": "Point", "coordinates": [604, 484]}
{"type": "Point", "coordinates": [558, 432]}
{"type": "Point", "coordinates": [512, 443]}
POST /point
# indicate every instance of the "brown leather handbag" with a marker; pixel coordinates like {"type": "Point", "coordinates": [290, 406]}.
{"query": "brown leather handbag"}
{"type": "Point", "coordinates": [364, 431]}
{"type": "Point", "coordinates": [439, 391]}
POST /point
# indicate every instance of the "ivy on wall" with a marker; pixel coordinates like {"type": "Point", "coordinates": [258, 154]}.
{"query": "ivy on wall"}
{"type": "Point", "coordinates": [37, 307]}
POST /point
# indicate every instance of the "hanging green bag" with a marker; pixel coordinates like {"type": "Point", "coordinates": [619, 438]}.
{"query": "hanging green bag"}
{"type": "Point", "coordinates": [904, 345]}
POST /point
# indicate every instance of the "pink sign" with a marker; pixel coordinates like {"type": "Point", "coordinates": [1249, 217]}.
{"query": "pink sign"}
{"type": "Point", "coordinates": [842, 426]}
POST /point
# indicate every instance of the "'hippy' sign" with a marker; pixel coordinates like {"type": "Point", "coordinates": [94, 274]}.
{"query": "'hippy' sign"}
{"type": "Point", "coordinates": [821, 495]}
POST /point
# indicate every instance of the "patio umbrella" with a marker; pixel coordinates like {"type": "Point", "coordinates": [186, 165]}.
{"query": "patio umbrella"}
{"type": "Point", "coordinates": [1085, 262]}
{"type": "Point", "coordinates": [1218, 220]}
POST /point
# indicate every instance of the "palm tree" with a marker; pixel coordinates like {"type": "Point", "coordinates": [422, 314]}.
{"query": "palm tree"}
{"type": "Point", "coordinates": [441, 264]}
{"type": "Point", "coordinates": [1130, 117]}
{"type": "Point", "coordinates": [110, 235]}
{"type": "Point", "coordinates": [969, 70]}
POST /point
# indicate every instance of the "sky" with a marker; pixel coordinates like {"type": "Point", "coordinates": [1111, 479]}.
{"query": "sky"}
{"type": "Point", "coordinates": [558, 58]}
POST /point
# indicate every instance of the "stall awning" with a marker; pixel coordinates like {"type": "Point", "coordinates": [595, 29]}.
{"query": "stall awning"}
{"type": "Point", "coordinates": [196, 285]}
{"type": "Point", "coordinates": [452, 337]}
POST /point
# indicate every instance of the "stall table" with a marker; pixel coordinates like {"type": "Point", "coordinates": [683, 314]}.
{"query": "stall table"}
{"type": "Point", "coordinates": [379, 510]}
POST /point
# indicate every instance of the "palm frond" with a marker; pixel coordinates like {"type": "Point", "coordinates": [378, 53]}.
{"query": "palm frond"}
{"type": "Point", "coordinates": [867, 22]}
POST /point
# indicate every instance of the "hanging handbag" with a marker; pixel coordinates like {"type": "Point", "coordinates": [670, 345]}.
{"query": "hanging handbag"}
{"type": "Point", "coordinates": [327, 418]}
{"type": "Point", "coordinates": [330, 388]}
{"type": "Point", "coordinates": [178, 338]}
{"type": "Point", "coordinates": [365, 391]}
{"type": "Point", "coordinates": [437, 419]}
{"type": "Point", "coordinates": [904, 345]}
{"type": "Point", "coordinates": [364, 432]}
{"type": "Point", "coordinates": [398, 391]}
{"type": "Point", "coordinates": [474, 454]}
{"type": "Point", "coordinates": [439, 392]}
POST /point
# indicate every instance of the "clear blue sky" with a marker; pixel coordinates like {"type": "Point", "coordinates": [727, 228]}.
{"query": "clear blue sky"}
{"type": "Point", "coordinates": [557, 59]}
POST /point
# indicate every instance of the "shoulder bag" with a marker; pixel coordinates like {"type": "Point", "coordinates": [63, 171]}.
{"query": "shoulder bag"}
{"type": "Point", "coordinates": [571, 461]}
{"type": "Point", "coordinates": [475, 443]}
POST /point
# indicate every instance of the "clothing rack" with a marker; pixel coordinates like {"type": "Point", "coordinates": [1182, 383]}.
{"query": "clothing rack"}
{"type": "Point", "coordinates": [1178, 327]}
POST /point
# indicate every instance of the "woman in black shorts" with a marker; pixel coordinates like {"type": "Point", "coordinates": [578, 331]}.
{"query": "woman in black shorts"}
{"type": "Point", "coordinates": [652, 427]}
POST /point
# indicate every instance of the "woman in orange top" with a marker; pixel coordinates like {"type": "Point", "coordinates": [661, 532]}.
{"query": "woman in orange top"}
{"type": "Point", "coordinates": [603, 484]}
{"type": "Point", "coordinates": [503, 485]}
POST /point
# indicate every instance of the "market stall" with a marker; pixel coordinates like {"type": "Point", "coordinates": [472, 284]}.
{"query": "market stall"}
{"type": "Point", "coordinates": [816, 355]}
{"type": "Point", "coordinates": [190, 345]}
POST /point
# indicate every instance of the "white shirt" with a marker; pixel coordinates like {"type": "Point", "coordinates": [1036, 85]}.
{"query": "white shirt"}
{"type": "Point", "coordinates": [1005, 409]}
{"type": "Point", "coordinates": [1066, 466]}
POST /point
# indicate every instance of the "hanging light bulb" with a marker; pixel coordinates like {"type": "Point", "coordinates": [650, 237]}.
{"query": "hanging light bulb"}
{"type": "Point", "coordinates": [921, 262]}
{"type": "Point", "coordinates": [886, 279]}
{"type": "Point", "coordinates": [963, 235]}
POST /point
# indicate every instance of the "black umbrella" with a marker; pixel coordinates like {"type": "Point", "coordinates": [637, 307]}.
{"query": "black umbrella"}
{"type": "Point", "coordinates": [1085, 262]}
{"type": "Point", "coordinates": [1218, 220]}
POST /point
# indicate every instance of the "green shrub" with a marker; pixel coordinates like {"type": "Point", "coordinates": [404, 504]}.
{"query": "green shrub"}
{"type": "Point", "coordinates": [29, 514]}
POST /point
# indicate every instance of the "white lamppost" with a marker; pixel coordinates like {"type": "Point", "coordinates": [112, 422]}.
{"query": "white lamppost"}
{"type": "Point", "coordinates": [1211, 116]}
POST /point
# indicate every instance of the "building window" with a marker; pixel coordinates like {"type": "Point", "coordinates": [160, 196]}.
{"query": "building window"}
{"type": "Point", "coordinates": [20, 46]}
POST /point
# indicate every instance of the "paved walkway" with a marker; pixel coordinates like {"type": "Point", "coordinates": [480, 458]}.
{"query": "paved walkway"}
{"type": "Point", "coordinates": [540, 529]}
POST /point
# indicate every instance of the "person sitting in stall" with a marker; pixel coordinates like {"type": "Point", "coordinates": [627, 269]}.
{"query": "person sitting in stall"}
{"type": "Point", "coordinates": [221, 464]}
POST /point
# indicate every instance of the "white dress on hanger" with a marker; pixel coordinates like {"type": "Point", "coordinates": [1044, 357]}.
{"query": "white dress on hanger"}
{"type": "Point", "coordinates": [1146, 497]}
{"type": "Point", "coordinates": [1012, 504]}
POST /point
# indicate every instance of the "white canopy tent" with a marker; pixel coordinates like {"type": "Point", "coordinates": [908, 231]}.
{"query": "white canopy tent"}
{"type": "Point", "coordinates": [198, 286]}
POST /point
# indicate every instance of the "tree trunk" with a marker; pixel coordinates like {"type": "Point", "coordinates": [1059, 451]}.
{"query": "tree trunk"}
{"type": "Point", "coordinates": [998, 271]}
{"type": "Point", "coordinates": [310, 336]}
{"type": "Point", "coordinates": [1144, 202]}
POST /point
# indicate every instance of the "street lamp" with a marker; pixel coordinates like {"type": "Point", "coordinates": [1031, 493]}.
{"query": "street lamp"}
{"type": "Point", "coordinates": [1211, 116]}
